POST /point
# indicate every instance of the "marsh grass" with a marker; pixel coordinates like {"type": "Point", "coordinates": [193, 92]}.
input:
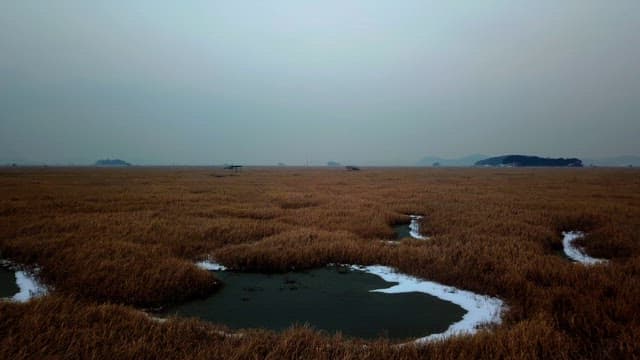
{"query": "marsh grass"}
{"type": "Point", "coordinates": [110, 239]}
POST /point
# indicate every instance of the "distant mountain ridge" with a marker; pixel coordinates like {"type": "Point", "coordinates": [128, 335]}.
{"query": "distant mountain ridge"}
{"type": "Point", "coordinates": [112, 162]}
{"type": "Point", "coordinates": [527, 160]}
{"type": "Point", "coordinates": [469, 160]}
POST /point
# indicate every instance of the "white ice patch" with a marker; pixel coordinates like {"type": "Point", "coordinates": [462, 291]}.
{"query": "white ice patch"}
{"type": "Point", "coordinates": [414, 228]}
{"type": "Point", "coordinates": [575, 252]}
{"type": "Point", "coordinates": [210, 265]}
{"type": "Point", "coordinates": [29, 287]}
{"type": "Point", "coordinates": [391, 242]}
{"type": "Point", "coordinates": [481, 309]}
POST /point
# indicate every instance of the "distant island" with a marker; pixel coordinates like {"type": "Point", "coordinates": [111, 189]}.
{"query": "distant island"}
{"type": "Point", "coordinates": [112, 162]}
{"type": "Point", "coordinates": [525, 160]}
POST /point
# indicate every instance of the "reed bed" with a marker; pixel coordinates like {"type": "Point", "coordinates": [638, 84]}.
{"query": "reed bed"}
{"type": "Point", "coordinates": [110, 240]}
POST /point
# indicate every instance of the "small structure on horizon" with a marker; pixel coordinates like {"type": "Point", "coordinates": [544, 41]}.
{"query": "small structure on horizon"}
{"type": "Point", "coordinates": [352, 168]}
{"type": "Point", "coordinates": [235, 168]}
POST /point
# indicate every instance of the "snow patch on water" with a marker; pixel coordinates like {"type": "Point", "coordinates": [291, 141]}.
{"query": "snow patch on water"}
{"type": "Point", "coordinates": [29, 287]}
{"type": "Point", "coordinates": [210, 265]}
{"type": "Point", "coordinates": [575, 252]}
{"type": "Point", "coordinates": [414, 227]}
{"type": "Point", "coordinates": [481, 309]}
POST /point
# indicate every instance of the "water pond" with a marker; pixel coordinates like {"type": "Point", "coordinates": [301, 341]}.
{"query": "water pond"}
{"type": "Point", "coordinates": [8, 286]}
{"type": "Point", "coordinates": [402, 231]}
{"type": "Point", "coordinates": [331, 299]}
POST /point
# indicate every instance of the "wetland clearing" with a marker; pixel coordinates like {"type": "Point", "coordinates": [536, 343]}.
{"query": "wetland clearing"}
{"type": "Point", "coordinates": [358, 301]}
{"type": "Point", "coordinates": [319, 180]}
{"type": "Point", "coordinates": [325, 299]}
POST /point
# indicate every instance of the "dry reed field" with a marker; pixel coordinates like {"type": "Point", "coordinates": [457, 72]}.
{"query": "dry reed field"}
{"type": "Point", "coordinates": [110, 242]}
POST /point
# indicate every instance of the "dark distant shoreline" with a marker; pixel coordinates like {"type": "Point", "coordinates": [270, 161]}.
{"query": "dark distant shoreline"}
{"type": "Point", "coordinates": [529, 161]}
{"type": "Point", "coordinates": [112, 163]}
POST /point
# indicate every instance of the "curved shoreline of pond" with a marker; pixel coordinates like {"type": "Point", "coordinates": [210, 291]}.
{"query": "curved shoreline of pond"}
{"type": "Point", "coordinates": [480, 309]}
{"type": "Point", "coordinates": [575, 252]}
{"type": "Point", "coordinates": [28, 285]}
{"type": "Point", "coordinates": [408, 230]}
{"type": "Point", "coordinates": [210, 265]}
{"type": "Point", "coordinates": [414, 227]}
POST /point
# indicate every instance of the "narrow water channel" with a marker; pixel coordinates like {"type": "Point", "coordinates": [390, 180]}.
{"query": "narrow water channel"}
{"type": "Point", "coordinates": [402, 231]}
{"type": "Point", "coordinates": [411, 230]}
{"type": "Point", "coordinates": [333, 299]}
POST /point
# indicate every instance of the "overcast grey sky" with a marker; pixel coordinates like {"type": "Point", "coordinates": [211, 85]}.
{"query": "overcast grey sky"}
{"type": "Point", "coordinates": [363, 82]}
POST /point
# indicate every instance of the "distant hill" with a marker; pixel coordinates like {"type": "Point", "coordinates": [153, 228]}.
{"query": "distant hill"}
{"type": "Point", "coordinates": [333, 163]}
{"type": "Point", "coordinates": [438, 161]}
{"type": "Point", "coordinates": [628, 160]}
{"type": "Point", "coordinates": [526, 160]}
{"type": "Point", "coordinates": [112, 162]}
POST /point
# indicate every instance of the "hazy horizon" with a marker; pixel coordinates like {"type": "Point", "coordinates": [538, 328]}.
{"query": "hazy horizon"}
{"type": "Point", "coordinates": [425, 161]}
{"type": "Point", "coordinates": [358, 82]}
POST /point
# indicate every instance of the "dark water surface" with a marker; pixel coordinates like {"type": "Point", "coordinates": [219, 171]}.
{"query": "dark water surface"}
{"type": "Point", "coordinates": [327, 299]}
{"type": "Point", "coordinates": [402, 231]}
{"type": "Point", "coordinates": [8, 286]}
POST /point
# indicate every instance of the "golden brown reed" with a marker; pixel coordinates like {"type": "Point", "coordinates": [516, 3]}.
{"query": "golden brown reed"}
{"type": "Point", "coordinates": [130, 237]}
{"type": "Point", "coordinates": [63, 327]}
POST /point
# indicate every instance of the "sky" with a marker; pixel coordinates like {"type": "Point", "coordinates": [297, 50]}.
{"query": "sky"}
{"type": "Point", "coordinates": [364, 82]}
